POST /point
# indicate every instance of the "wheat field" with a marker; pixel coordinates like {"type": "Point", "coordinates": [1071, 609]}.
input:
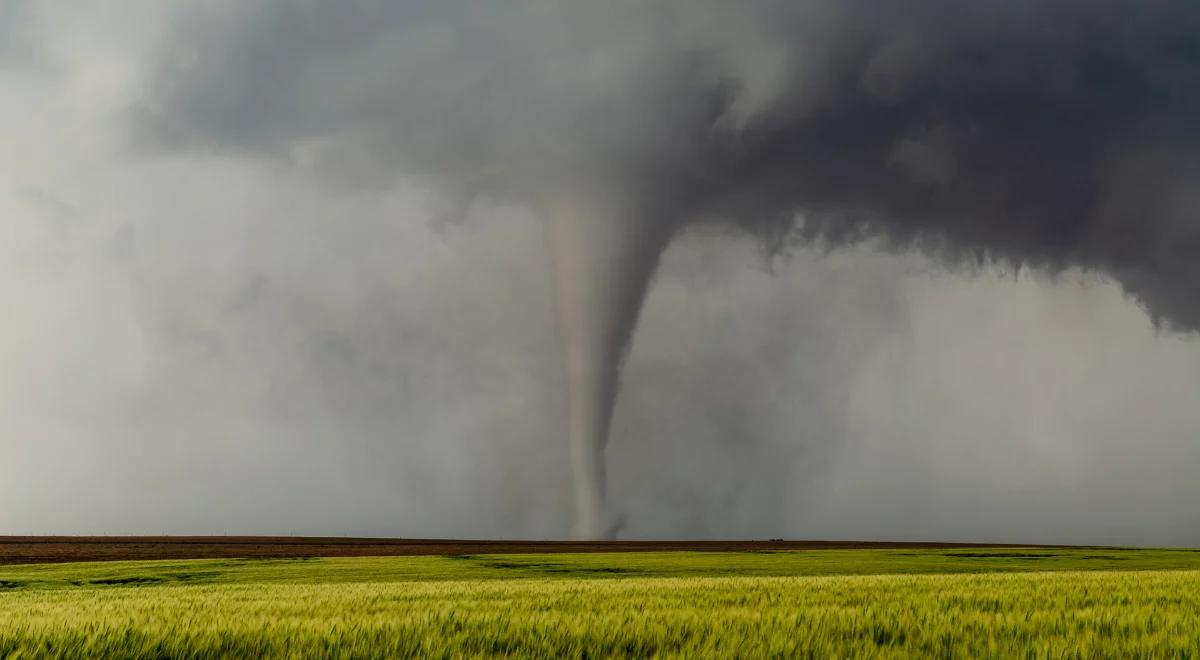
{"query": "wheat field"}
{"type": "Point", "coordinates": [437, 607]}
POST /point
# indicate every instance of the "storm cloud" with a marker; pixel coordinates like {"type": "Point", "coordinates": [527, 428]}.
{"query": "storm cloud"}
{"type": "Point", "coordinates": [1051, 134]}
{"type": "Point", "coordinates": [230, 312]}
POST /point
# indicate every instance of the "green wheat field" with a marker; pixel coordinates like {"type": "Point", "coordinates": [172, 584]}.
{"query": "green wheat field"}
{"type": "Point", "coordinates": [1039, 603]}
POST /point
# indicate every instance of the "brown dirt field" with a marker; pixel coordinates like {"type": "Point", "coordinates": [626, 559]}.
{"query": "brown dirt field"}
{"type": "Point", "coordinates": [46, 549]}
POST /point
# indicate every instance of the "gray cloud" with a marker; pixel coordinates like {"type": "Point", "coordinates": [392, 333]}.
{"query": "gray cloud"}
{"type": "Point", "coordinates": [215, 344]}
{"type": "Point", "coordinates": [18, 40]}
{"type": "Point", "coordinates": [1051, 134]}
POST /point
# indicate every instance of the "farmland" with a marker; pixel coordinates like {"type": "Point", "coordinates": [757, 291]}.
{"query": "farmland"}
{"type": "Point", "coordinates": [44, 549]}
{"type": "Point", "coordinates": [964, 602]}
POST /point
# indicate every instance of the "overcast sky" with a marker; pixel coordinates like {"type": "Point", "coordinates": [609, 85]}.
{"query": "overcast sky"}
{"type": "Point", "coordinates": [220, 340]}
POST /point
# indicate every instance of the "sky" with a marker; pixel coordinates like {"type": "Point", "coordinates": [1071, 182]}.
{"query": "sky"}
{"type": "Point", "coordinates": [230, 316]}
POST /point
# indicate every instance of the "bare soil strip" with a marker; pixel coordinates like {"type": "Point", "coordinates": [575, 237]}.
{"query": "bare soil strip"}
{"type": "Point", "coordinates": [48, 549]}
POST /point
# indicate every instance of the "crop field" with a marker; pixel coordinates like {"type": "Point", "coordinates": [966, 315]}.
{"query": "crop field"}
{"type": "Point", "coordinates": [1000, 602]}
{"type": "Point", "coordinates": [46, 549]}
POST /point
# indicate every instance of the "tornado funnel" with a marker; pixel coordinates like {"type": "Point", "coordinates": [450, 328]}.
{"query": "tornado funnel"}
{"type": "Point", "coordinates": [604, 255]}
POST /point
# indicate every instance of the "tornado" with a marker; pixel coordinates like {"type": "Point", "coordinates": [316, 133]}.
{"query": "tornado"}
{"type": "Point", "coordinates": [604, 253]}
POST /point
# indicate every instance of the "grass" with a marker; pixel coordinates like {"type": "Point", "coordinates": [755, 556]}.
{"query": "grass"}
{"type": "Point", "coordinates": [1072, 603]}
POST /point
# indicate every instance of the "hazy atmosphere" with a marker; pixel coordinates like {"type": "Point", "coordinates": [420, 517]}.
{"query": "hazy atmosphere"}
{"type": "Point", "coordinates": [302, 267]}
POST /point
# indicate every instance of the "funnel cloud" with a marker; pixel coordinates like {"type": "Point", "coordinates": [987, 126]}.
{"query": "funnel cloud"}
{"type": "Point", "coordinates": [1057, 138]}
{"type": "Point", "coordinates": [604, 253]}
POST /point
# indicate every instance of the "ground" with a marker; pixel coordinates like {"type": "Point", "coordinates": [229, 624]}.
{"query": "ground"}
{"type": "Point", "coordinates": [881, 601]}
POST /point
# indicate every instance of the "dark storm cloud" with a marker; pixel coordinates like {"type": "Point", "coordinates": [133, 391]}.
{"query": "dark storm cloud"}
{"type": "Point", "coordinates": [1051, 134]}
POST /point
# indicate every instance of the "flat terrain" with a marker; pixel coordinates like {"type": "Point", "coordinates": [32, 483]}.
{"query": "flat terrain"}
{"type": "Point", "coordinates": [41, 549]}
{"type": "Point", "coordinates": [880, 602]}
